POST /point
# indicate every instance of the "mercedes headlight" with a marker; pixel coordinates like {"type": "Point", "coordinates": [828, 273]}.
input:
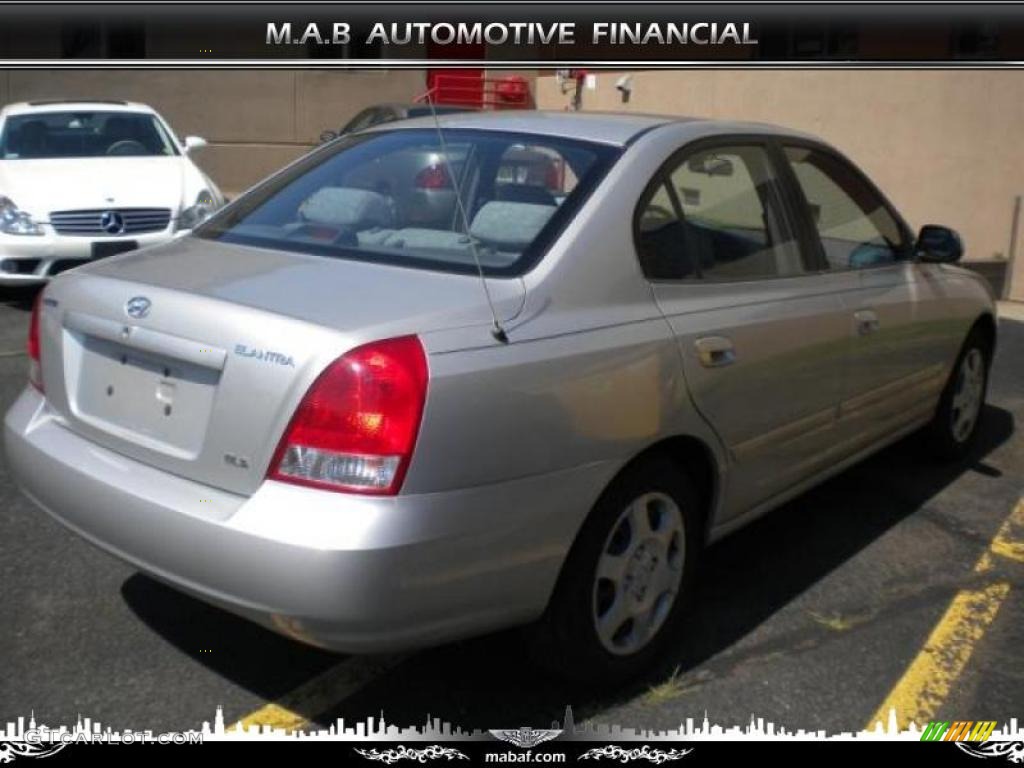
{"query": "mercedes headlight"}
{"type": "Point", "coordinates": [198, 212]}
{"type": "Point", "coordinates": [14, 221]}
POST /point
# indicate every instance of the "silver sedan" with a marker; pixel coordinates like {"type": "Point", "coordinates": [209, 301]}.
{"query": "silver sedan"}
{"type": "Point", "coordinates": [369, 433]}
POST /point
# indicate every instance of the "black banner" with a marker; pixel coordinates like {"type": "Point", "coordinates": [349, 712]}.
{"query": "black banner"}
{"type": "Point", "coordinates": [335, 34]}
{"type": "Point", "coordinates": [581, 753]}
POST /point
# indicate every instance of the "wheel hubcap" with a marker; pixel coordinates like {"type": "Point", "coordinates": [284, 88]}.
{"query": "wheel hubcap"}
{"type": "Point", "coordinates": [970, 387]}
{"type": "Point", "coordinates": [639, 573]}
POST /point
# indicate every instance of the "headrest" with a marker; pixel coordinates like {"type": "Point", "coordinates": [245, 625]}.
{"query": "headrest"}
{"type": "Point", "coordinates": [347, 206]}
{"type": "Point", "coordinates": [510, 226]}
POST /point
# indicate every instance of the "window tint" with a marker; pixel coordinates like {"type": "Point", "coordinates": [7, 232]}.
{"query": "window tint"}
{"type": "Point", "coordinates": [49, 135]}
{"type": "Point", "coordinates": [534, 173]}
{"type": "Point", "coordinates": [855, 227]}
{"type": "Point", "coordinates": [716, 216]}
{"type": "Point", "coordinates": [390, 197]}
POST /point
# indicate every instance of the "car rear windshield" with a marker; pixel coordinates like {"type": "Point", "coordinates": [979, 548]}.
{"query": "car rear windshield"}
{"type": "Point", "coordinates": [390, 197]}
{"type": "Point", "coordinates": [49, 135]}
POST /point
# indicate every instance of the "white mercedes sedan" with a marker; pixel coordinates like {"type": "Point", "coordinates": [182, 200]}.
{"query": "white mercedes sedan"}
{"type": "Point", "coordinates": [83, 180]}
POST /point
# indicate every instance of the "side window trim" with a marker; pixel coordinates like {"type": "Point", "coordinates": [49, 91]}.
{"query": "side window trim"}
{"type": "Point", "coordinates": [785, 209]}
{"type": "Point", "coordinates": [803, 206]}
{"type": "Point", "coordinates": [811, 250]}
{"type": "Point", "coordinates": [677, 208]}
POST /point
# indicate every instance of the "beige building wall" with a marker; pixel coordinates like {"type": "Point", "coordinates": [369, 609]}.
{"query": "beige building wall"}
{"type": "Point", "coordinates": [945, 146]}
{"type": "Point", "coordinates": [255, 121]}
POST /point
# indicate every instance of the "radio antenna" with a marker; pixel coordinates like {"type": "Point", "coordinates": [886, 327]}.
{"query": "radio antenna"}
{"type": "Point", "coordinates": [497, 331]}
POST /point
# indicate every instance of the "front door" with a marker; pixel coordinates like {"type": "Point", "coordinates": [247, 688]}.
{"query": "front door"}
{"type": "Point", "coordinates": [898, 342]}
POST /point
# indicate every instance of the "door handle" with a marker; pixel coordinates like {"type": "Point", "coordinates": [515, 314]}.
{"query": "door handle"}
{"type": "Point", "coordinates": [715, 351]}
{"type": "Point", "coordinates": [866, 321]}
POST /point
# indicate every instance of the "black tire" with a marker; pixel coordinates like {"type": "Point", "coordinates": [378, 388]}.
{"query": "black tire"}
{"type": "Point", "coordinates": [566, 639]}
{"type": "Point", "coordinates": [942, 439]}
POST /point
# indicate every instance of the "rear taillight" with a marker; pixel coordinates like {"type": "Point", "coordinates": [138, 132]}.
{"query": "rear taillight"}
{"type": "Point", "coordinates": [35, 373]}
{"type": "Point", "coordinates": [434, 177]}
{"type": "Point", "coordinates": [356, 427]}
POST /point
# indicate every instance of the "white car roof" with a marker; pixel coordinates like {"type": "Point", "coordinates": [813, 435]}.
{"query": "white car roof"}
{"type": "Point", "coordinates": [65, 105]}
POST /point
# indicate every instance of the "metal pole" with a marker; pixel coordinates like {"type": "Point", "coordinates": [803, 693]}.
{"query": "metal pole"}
{"type": "Point", "coordinates": [1008, 284]}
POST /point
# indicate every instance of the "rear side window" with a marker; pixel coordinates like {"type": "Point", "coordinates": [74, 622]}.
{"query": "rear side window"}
{"type": "Point", "coordinates": [854, 225]}
{"type": "Point", "coordinates": [715, 214]}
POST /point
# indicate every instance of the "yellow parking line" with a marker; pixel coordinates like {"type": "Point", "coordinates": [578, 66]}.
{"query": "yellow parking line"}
{"type": "Point", "coordinates": [929, 678]}
{"type": "Point", "coordinates": [1009, 541]}
{"type": "Point", "coordinates": [295, 709]}
{"type": "Point", "coordinates": [927, 682]}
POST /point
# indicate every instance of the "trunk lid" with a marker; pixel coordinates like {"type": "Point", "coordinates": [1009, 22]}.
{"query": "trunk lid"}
{"type": "Point", "coordinates": [225, 341]}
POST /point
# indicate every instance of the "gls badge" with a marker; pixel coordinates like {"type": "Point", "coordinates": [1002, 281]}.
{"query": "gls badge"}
{"type": "Point", "coordinates": [264, 355]}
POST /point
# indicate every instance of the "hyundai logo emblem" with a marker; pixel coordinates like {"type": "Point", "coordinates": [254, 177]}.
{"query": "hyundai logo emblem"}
{"type": "Point", "coordinates": [112, 223]}
{"type": "Point", "coordinates": [137, 307]}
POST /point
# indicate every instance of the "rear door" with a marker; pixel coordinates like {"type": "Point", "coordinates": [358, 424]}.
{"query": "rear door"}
{"type": "Point", "coordinates": [898, 340]}
{"type": "Point", "coordinates": [761, 333]}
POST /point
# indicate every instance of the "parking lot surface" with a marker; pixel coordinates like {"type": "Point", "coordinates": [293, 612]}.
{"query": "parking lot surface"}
{"type": "Point", "coordinates": [898, 583]}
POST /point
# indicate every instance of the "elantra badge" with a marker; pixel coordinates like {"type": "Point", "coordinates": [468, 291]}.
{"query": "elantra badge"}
{"type": "Point", "coordinates": [265, 355]}
{"type": "Point", "coordinates": [137, 307]}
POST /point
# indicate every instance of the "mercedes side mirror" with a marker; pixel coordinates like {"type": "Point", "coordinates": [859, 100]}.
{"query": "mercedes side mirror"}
{"type": "Point", "coordinates": [192, 143]}
{"type": "Point", "coordinates": [938, 245]}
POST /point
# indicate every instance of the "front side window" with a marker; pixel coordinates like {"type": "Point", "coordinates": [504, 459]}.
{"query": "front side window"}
{"type": "Point", "coordinates": [716, 215]}
{"type": "Point", "coordinates": [74, 134]}
{"type": "Point", "coordinates": [856, 228]}
{"type": "Point", "coordinates": [406, 197]}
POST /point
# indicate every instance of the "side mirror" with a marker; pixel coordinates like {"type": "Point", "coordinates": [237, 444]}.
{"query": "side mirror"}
{"type": "Point", "coordinates": [193, 143]}
{"type": "Point", "coordinates": [710, 165]}
{"type": "Point", "coordinates": [328, 135]}
{"type": "Point", "coordinates": [938, 245]}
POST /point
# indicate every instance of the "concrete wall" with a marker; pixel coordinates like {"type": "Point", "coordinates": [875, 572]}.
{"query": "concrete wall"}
{"type": "Point", "coordinates": [945, 146]}
{"type": "Point", "coordinates": [255, 121]}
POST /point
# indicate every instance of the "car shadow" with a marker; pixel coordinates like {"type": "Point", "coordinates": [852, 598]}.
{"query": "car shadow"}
{"type": "Point", "coordinates": [19, 297]}
{"type": "Point", "coordinates": [250, 656]}
{"type": "Point", "coordinates": [490, 681]}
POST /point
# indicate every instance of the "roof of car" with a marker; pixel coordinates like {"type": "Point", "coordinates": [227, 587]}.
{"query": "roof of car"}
{"type": "Point", "coordinates": [63, 105]}
{"type": "Point", "coordinates": [617, 128]}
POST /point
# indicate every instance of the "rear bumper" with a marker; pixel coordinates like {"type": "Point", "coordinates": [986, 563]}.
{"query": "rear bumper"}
{"type": "Point", "coordinates": [355, 574]}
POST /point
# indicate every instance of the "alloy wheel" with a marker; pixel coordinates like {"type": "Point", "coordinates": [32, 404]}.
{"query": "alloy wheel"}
{"type": "Point", "coordinates": [968, 394]}
{"type": "Point", "coordinates": [639, 573]}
